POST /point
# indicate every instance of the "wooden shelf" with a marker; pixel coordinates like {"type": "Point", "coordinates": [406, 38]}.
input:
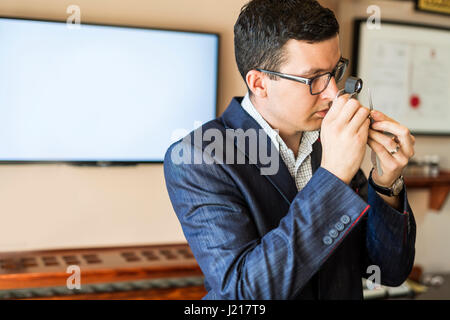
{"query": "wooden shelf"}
{"type": "Point", "coordinates": [439, 188]}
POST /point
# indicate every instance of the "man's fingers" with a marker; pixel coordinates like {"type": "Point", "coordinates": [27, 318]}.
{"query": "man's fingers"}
{"type": "Point", "coordinates": [384, 156]}
{"type": "Point", "coordinates": [391, 127]}
{"type": "Point", "coordinates": [337, 106]}
{"type": "Point", "coordinates": [380, 116]}
{"type": "Point", "coordinates": [343, 110]}
{"type": "Point", "coordinates": [386, 141]}
{"type": "Point", "coordinates": [359, 119]}
{"type": "Point", "coordinates": [349, 111]}
{"type": "Point", "coordinates": [364, 128]}
{"type": "Point", "coordinates": [391, 161]}
{"type": "Point", "coordinates": [404, 136]}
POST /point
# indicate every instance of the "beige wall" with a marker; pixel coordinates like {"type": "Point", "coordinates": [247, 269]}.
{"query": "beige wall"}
{"type": "Point", "coordinates": [49, 206]}
{"type": "Point", "coordinates": [53, 206]}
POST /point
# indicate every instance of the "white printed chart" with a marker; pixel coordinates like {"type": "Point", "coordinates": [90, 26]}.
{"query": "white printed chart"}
{"type": "Point", "coordinates": [408, 71]}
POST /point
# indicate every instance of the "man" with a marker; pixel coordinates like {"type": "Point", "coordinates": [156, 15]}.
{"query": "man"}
{"type": "Point", "coordinates": [311, 229]}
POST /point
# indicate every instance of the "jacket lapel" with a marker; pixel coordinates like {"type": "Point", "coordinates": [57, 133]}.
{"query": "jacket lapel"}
{"type": "Point", "coordinates": [316, 155]}
{"type": "Point", "coordinates": [235, 117]}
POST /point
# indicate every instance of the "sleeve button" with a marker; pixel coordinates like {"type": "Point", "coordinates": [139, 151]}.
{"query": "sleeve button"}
{"type": "Point", "coordinates": [327, 240]}
{"type": "Point", "coordinates": [333, 233]}
{"type": "Point", "coordinates": [345, 219]}
{"type": "Point", "coordinates": [339, 226]}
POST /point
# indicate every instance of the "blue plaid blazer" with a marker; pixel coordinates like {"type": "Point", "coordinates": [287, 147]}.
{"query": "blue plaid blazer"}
{"type": "Point", "coordinates": [256, 237]}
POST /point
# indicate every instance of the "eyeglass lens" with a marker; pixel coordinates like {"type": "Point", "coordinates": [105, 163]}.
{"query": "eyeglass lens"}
{"type": "Point", "coordinates": [321, 83]}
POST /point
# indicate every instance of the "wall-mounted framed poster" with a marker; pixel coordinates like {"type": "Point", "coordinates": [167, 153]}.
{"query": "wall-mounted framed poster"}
{"type": "Point", "coordinates": [433, 6]}
{"type": "Point", "coordinates": [407, 68]}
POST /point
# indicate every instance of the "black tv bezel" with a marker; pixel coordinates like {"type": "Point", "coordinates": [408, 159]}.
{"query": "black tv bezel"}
{"type": "Point", "coordinates": [355, 56]}
{"type": "Point", "coordinates": [107, 162]}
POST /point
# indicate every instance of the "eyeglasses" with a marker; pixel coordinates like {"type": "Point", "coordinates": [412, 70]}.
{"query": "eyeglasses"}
{"type": "Point", "coordinates": [319, 83]}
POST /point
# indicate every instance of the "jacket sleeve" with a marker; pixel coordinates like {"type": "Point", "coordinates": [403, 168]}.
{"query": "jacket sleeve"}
{"type": "Point", "coordinates": [236, 261]}
{"type": "Point", "coordinates": [390, 235]}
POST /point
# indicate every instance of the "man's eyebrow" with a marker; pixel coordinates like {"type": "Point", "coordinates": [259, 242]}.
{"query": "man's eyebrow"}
{"type": "Point", "coordinates": [315, 71]}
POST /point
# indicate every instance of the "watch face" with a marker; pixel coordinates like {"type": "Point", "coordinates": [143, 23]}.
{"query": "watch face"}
{"type": "Point", "coordinates": [398, 186]}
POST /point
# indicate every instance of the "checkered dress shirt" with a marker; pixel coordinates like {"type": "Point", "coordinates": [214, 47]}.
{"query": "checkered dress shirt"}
{"type": "Point", "coordinates": [300, 167]}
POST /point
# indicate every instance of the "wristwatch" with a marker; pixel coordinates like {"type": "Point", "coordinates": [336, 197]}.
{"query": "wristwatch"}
{"type": "Point", "coordinates": [395, 190]}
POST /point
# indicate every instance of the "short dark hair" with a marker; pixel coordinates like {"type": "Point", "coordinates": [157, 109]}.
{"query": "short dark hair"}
{"type": "Point", "coordinates": [264, 27]}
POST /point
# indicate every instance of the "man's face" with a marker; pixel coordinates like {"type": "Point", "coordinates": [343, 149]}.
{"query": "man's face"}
{"type": "Point", "coordinates": [290, 103]}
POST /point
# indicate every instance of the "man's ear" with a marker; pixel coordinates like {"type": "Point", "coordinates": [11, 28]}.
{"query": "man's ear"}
{"type": "Point", "coordinates": [257, 83]}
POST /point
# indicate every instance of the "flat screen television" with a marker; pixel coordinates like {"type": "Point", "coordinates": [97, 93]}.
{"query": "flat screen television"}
{"type": "Point", "coordinates": [101, 94]}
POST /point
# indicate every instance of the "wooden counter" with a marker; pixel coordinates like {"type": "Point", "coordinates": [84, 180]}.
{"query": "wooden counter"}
{"type": "Point", "coordinates": [141, 272]}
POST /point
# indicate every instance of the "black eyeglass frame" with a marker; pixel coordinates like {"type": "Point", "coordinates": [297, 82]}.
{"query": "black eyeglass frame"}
{"type": "Point", "coordinates": [309, 81]}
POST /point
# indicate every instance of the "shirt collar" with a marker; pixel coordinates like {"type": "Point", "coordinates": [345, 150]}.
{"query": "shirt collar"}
{"type": "Point", "coordinates": [247, 105]}
{"type": "Point", "coordinates": [308, 137]}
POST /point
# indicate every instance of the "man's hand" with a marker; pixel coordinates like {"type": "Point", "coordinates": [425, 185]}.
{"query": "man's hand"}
{"type": "Point", "coordinates": [344, 135]}
{"type": "Point", "coordinates": [391, 164]}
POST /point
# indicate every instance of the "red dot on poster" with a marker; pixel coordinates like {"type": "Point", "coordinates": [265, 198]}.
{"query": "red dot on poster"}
{"type": "Point", "coordinates": [414, 101]}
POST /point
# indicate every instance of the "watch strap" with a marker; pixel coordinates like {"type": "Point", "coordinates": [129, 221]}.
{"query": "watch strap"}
{"type": "Point", "coordinates": [383, 190]}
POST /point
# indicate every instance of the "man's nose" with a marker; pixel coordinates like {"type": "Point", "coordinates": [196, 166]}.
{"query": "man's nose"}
{"type": "Point", "coordinates": [331, 91]}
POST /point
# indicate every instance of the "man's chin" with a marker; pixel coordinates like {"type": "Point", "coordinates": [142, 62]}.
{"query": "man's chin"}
{"type": "Point", "coordinates": [313, 125]}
